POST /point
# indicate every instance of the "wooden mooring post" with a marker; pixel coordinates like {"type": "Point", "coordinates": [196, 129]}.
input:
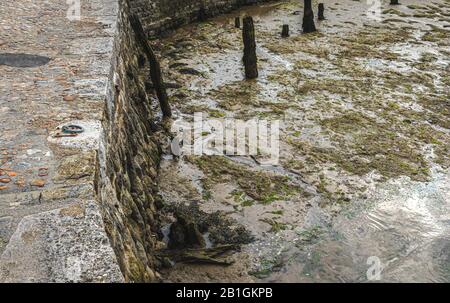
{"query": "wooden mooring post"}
{"type": "Point", "coordinates": [250, 59]}
{"type": "Point", "coordinates": [308, 18]}
{"type": "Point", "coordinates": [155, 68]}
{"type": "Point", "coordinates": [321, 11]}
{"type": "Point", "coordinates": [285, 31]}
{"type": "Point", "coordinates": [237, 22]}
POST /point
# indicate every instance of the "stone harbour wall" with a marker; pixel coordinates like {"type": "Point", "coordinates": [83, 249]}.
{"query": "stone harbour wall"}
{"type": "Point", "coordinates": [159, 16]}
{"type": "Point", "coordinates": [129, 158]}
{"type": "Point", "coordinates": [129, 151]}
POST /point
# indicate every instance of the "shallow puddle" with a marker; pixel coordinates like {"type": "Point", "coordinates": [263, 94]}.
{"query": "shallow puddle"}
{"type": "Point", "coordinates": [399, 234]}
{"type": "Point", "coordinates": [23, 60]}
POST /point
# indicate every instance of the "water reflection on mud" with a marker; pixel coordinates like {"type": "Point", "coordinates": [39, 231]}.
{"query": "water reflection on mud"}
{"type": "Point", "coordinates": [405, 224]}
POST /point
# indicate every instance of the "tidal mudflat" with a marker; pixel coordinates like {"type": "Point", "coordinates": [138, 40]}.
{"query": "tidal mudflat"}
{"type": "Point", "coordinates": [364, 143]}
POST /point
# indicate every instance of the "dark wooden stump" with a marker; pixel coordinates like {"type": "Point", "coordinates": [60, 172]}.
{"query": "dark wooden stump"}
{"type": "Point", "coordinates": [250, 60]}
{"type": "Point", "coordinates": [237, 22]}
{"type": "Point", "coordinates": [308, 18]}
{"type": "Point", "coordinates": [201, 16]}
{"type": "Point", "coordinates": [394, 2]}
{"type": "Point", "coordinates": [155, 68]}
{"type": "Point", "coordinates": [321, 10]}
{"type": "Point", "coordinates": [285, 31]}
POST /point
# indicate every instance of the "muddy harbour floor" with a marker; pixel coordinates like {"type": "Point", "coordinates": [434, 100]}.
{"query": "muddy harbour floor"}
{"type": "Point", "coordinates": [364, 151]}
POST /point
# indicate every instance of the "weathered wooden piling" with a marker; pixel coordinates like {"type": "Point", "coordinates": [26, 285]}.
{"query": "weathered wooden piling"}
{"type": "Point", "coordinates": [285, 31]}
{"type": "Point", "coordinates": [155, 68]}
{"type": "Point", "coordinates": [237, 22]}
{"type": "Point", "coordinates": [250, 59]}
{"type": "Point", "coordinates": [321, 11]}
{"type": "Point", "coordinates": [394, 2]}
{"type": "Point", "coordinates": [308, 18]}
{"type": "Point", "coordinates": [201, 15]}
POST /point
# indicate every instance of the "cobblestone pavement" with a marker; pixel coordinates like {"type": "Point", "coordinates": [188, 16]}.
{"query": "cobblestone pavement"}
{"type": "Point", "coordinates": [50, 226]}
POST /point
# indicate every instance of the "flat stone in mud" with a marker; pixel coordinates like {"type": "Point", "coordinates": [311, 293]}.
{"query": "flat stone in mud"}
{"type": "Point", "coordinates": [184, 233]}
{"type": "Point", "coordinates": [190, 71]}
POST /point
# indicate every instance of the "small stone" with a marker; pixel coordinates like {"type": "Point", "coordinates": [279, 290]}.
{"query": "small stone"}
{"type": "Point", "coordinates": [11, 174]}
{"type": "Point", "coordinates": [5, 180]}
{"type": "Point", "coordinates": [43, 172]}
{"type": "Point", "coordinates": [38, 183]}
{"type": "Point", "coordinates": [69, 98]}
{"type": "Point", "coordinates": [190, 71]}
{"type": "Point", "coordinates": [3, 187]}
{"type": "Point", "coordinates": [20, 183]}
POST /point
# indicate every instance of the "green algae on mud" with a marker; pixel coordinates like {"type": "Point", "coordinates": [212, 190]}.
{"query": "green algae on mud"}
{"type": "Point", "coordinates": [262, 187]}
{"type": "Point", "coordinates": [391, 148]}
{"type": "Point", "coordinates": [366, 145]}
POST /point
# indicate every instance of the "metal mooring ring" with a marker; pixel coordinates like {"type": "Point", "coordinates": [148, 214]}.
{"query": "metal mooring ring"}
{"type": "Point", "coordinates": [72, 129]}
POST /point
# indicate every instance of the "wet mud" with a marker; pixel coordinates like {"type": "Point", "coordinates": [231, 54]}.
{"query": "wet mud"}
{"type": "Point", "coordinates": [364, 151]}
